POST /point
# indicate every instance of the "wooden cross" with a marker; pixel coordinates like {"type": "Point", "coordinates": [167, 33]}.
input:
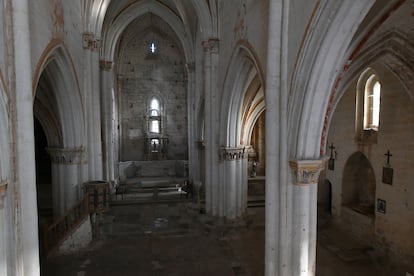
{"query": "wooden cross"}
{"type": "Point", "coordinates": [388, 154]}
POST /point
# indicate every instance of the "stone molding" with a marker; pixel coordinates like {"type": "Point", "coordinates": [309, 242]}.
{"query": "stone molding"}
{"type": "Point", "coordinates": [306, 172]}
{"type": "Point", "coordinates": [211, 45]}
{"type": "Point", "coordinates": [105, 65]}
{"type": "Point", "coordinates": [231, 154]}
{"type": "Point", "coordinates": [67, 155]}
{"type": "Point", "coordinates": [90, 42]}
{"type": "Point", "coordinates": [3, 190]}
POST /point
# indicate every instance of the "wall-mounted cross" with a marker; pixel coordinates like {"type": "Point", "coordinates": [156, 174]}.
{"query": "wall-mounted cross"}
{"type": "Point", "coordinates": [388, 154]}
{"type": "Point", "coordinates": [332, 148]}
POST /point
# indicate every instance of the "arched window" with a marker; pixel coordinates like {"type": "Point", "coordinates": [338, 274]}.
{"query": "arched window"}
{"type": "Point", "coordinates": [372, 103]}
{"type": "Point", "coordinates": [154, 116]}
{"type": "Point", "coordinates": [155, 142]}
{"type": "Point", "coordinates": [368, 97]}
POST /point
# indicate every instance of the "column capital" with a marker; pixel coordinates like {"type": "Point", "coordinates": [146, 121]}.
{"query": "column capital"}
{"type": "Point", "coordinates": [3, 190]}
{"type": "Point", "coordinates": [67, 156]}
{"type": "Point", "coordinates": [190, 67]}
{"type": "Point", "coordinates": [90, 42]}
{"type": "Point", "coordinates": [306, 172]}
{"type": "Point", "coordinates": [105, 65]}
{"type": "Point", "coordinates": [211, 45]}
{"type": "Point", "coordinates": [236, 153]}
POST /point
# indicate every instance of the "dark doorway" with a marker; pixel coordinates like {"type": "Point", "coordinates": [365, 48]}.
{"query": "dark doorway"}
{"type": "Point", "coordinates": [43, 181]}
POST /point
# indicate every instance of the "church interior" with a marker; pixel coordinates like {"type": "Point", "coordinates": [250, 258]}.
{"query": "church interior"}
{"type": "Point", "coordinates": [206, 137]}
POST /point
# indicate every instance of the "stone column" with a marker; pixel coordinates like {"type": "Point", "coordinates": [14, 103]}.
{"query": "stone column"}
{"type": "Point", "coordinates": [234, 160]}
{"type": "Point", "coordinates": [277, 247]}
{"type": "Point", "coordinates": [191, 126]}
{"type": "Point", "coordinates": [27, 249]}
{"type": "Point", "coordinates": [305, 175]}
{"type": "Point", "coordinates": [244, 179]}
{"type": "Point", "coordinates": [212, 184]}
{"type": "Point", "coordinates": [109, 131]}
{"type": "Point", "coordinates": [66, 177]}
{"type": "Point", "coordinates": [3, 229]}
{"type": "Point", "coordinates": [91, 92]}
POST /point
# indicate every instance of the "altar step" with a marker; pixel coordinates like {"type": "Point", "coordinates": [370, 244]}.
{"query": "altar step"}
{"type": "Point", "coordinates": [255, 202]}
{"type": "Point", "coordinates": [152, 189]}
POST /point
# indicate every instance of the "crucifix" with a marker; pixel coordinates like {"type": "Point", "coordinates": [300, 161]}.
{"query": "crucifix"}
{"type": "Point", "coordinates": [331, 163]}
{"type": "Point", "coordinates": [387, 172]}
{"type": "Point", "coordinates": [388, 154]}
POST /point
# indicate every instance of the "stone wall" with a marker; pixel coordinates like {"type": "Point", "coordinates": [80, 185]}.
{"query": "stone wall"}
{"type": "Point", "coordinates": [396, 132]}
{"type": "Point", "coordinates": [143, 75]}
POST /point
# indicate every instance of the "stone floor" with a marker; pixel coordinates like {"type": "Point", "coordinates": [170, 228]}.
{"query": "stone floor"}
{"type": "Point", "coordinates": [176, 239]}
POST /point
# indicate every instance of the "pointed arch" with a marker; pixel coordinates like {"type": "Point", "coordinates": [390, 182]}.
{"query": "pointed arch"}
{"type": "Point", "coordinates": [59, 109]}
{"type": "Point", "coordinates": [55, 76]}
{"type": "Point", "coordinates": [243, 96]}
{"type": "Point", "coordinates": [392, 50]}
{"type": "Point", "coordinates": [115, 29]}
{"type": "Point", "coordinates": [323, 57]}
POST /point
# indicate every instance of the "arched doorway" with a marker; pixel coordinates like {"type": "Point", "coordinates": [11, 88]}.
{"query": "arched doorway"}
{"type": "Point", "coordinates": [325, 195]}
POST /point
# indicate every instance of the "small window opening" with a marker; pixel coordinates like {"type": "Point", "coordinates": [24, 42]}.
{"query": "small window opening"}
{"type": "Point", "coordinates": [155, 105]}
{"type": "Point", "coordinates": [152, 47]}
{"type": "Point", "coordinates": [154, 112]}
{"type": "Point", "coordinates": [372, 103]}
{"type": "Point", "coordinates": [155, 145]}
{"type": "Point", "coordinates": [155, 126]}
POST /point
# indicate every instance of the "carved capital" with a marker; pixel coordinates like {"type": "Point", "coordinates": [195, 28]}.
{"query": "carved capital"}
{"type": "Point", "coordinates": [190, 67]}
{"type": "Point", "coordinates": [67, 155]}
{"type": "Point", "coordinates": [90, 42]}
{"type": "Point", "coordinates": [236, 153]}
{"type": "Point", "coordinates": [3, 190]}
{"type": "Point", "coordinates": [105, 65]}
{"type": "Point", "coordinates": [211, 45]}
{"type": "Point", "coordinates": [306, 172]}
